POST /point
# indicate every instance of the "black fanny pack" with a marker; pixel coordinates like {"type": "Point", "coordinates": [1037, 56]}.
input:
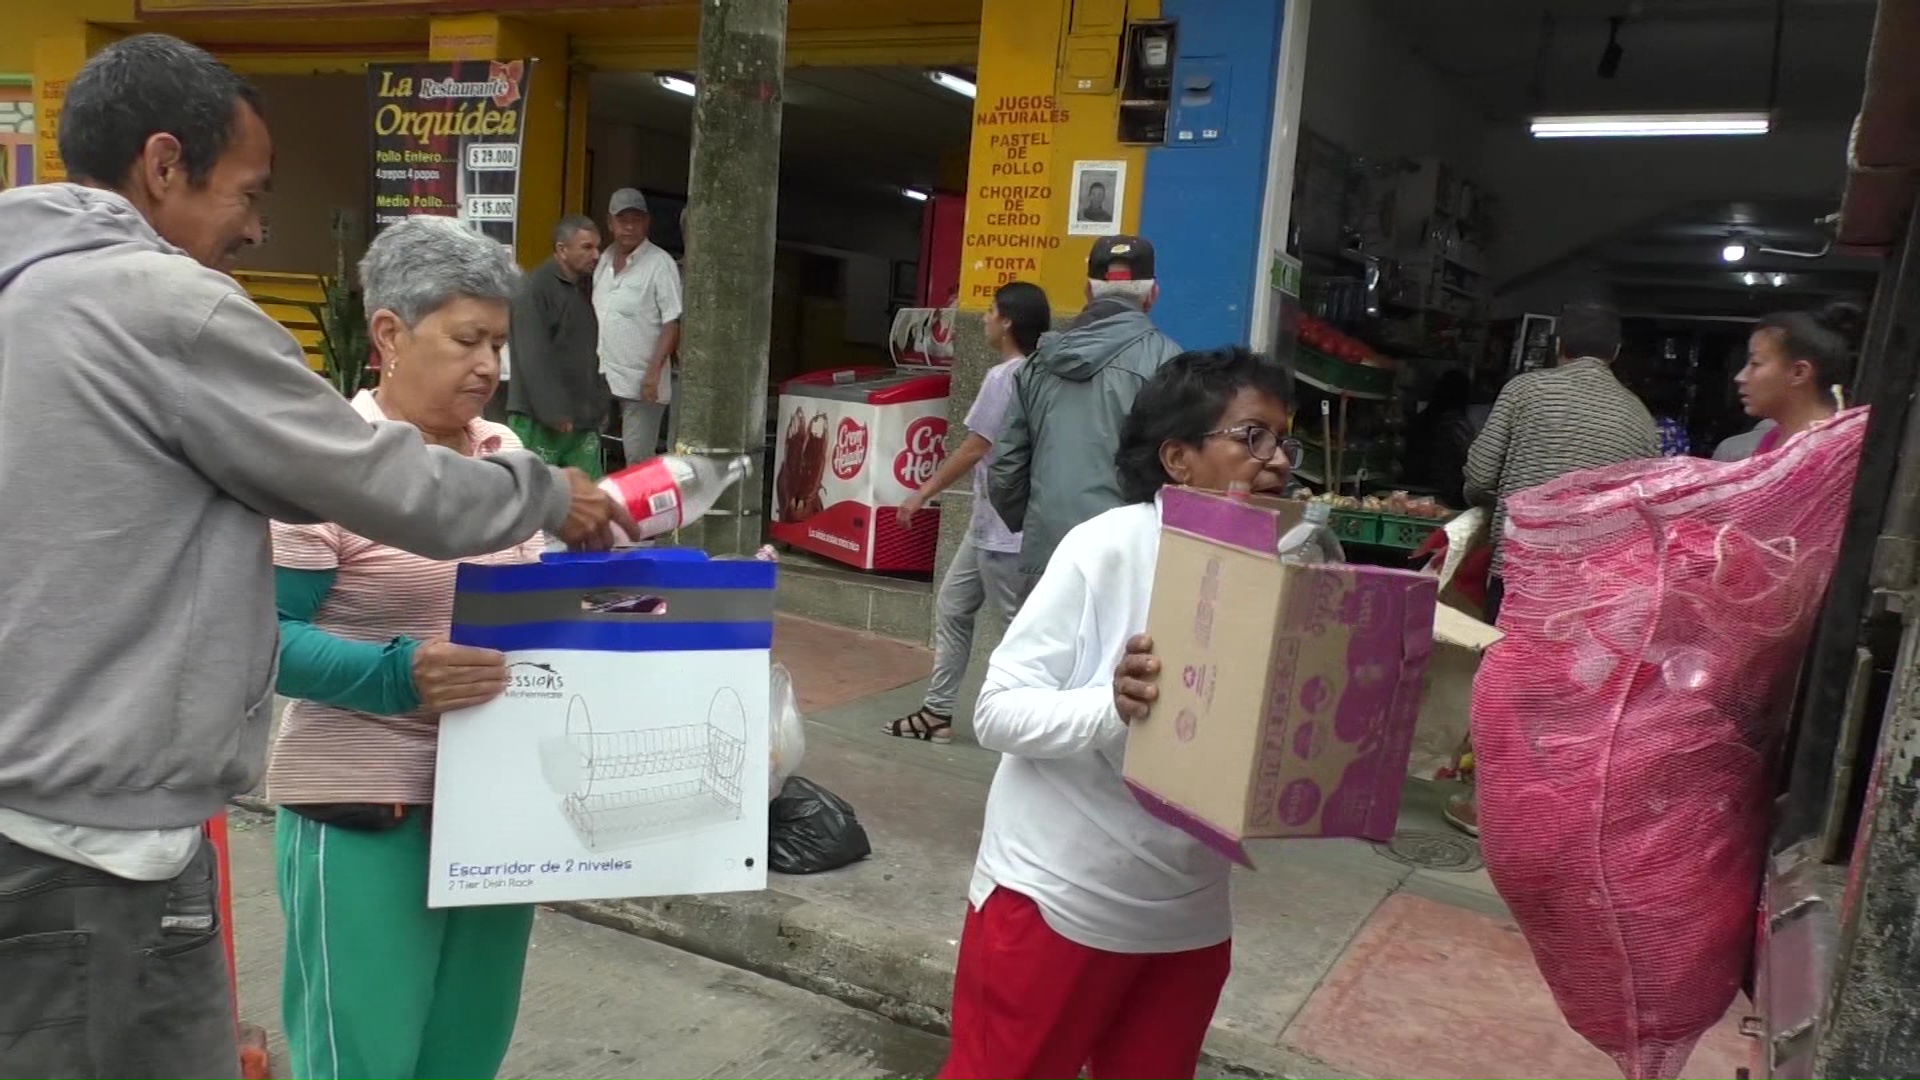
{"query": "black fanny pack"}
{"type": "Point", "coordinates": [360, 817]}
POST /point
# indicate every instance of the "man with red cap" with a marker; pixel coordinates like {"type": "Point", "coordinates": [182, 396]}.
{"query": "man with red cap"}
{"type": "Point", "coordinates": [1054, 467]}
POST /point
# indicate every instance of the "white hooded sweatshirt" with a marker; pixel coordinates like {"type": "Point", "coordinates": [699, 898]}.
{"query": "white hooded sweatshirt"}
{"type": "Point", "coordinates": [1062, 829]}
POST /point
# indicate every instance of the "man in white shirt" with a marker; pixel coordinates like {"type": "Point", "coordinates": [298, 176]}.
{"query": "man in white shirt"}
{"type": "Point", "coordinates": [636, 293]}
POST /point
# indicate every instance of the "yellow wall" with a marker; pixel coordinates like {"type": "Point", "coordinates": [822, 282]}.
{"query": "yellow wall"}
{"type": "Point", "coordinates": [645, 36]}
{"type": "Point", "coordinates": [820, 33]}
{"type": "Point", "coordinates": [1030, 125]}
{"type": "Point", "coordinates": [26, 21]}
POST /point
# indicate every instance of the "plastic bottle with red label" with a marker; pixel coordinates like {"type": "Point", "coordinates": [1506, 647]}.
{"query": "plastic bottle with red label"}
{"type": "Point", "coordinates": [665, 493]}
{"type": "Point", "coordinates": [1313, 540]}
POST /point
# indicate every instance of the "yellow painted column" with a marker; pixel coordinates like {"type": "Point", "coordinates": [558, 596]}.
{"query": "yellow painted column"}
{"type": "Point", "coordinates": [545, 146]}
{"type": "Point", "coordinates": [59, 52]}
{"type": "Point", "coordinates": [1034, 116]}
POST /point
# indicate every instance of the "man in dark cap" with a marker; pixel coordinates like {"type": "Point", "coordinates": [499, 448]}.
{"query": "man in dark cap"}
{"type": "Point", "coordinates": [1054, 467]}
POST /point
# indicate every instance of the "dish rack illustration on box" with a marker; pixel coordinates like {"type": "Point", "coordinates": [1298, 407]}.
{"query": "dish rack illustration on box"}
{"type": "Point", "coordinates": [620, 788]}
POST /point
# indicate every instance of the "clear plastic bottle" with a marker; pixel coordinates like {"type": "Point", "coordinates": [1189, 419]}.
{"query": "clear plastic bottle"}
{"type": "Point", "coordinates": [1313, 540]}
{"type": "Point", "coordinates": [664, 493]}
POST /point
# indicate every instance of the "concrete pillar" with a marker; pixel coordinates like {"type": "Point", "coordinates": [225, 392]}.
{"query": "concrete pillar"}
{"type": "Point", "coordinates": [733, 194]}
{"type": "Point", "coordinates": [547, 153]}
{"type": "Point", "coordinates": [59, 53]}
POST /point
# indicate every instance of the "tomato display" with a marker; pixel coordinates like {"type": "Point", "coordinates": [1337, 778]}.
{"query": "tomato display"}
{"type": "Point", "coordinates": [1318, 335]}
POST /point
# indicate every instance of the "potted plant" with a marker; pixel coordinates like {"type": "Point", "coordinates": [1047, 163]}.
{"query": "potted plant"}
{"type": "Point", "coordinates": [344, 348]}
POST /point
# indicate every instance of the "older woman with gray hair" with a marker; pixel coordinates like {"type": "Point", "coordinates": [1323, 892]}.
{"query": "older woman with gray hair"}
{"type": "Point", "coordinates": [374, 983]}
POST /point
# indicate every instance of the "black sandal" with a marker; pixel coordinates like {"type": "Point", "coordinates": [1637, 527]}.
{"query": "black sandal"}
{"type": "Point", "coordinates": [924, 725]}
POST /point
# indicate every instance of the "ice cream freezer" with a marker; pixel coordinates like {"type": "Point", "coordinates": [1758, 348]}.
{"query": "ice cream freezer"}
{"type": "Point", "coordinates": [854, 444]}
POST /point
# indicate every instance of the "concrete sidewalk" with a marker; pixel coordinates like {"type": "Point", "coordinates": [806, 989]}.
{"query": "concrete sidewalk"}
{"type": "Point", "coordinates": [1350, 959]}
{"type": "Point", "coordinates": [596, 1003]}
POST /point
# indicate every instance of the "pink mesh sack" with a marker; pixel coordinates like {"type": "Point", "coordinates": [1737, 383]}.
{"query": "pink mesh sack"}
{"type": "Point", "coordinates": [1625, 730]}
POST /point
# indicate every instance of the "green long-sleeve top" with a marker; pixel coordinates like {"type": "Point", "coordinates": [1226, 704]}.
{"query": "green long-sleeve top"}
{"type": "Point", "coordinates": [365, 676]}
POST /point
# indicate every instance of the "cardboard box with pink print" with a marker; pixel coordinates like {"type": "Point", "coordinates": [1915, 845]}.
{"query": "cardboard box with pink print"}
{"type": "Point", "coordinates": [1288, 693]}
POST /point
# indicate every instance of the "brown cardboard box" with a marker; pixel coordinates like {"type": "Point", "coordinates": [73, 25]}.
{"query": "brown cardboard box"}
{"type": "Point", "coordinates": [1288, 694]}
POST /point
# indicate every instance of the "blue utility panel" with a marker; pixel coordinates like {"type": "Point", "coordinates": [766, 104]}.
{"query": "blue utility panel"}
{"type": "Point", "coordinates": [1205, 187]}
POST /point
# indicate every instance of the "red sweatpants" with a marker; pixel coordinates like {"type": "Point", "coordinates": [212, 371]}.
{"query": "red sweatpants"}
{"type": "Point", "coordinates": [1028, 1003]}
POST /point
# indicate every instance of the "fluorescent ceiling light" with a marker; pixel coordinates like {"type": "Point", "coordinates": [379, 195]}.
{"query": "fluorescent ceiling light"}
{"type": "Point", "coordinates": [914, 193]}
{"type": "Point", "coordinates": [950, 81]}
{"type": "Point", "coordinates": [1734, 252]}
{"type": "Point", "coordinates": [676, 84]}
{"type": "Point", "coordinates": [1651, 125]}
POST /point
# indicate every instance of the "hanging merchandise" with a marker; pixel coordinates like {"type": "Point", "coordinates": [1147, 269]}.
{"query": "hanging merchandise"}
{"type": "Point", "coordinates": [1627, 728]}
{"type": "Point", "coordinates": [810, 829]}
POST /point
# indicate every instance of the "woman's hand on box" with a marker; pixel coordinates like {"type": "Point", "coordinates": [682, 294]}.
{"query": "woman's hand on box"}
{"type": "Point", "coordinates": [449, 676]}
{"type": "Point", "coordinates": [1135, 681]}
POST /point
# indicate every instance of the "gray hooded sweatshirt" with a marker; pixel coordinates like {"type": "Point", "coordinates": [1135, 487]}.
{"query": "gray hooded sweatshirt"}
{"type": "Point", "coordinates": [1053, 465]}
{"type": "Point", "coordinates": [152, 420]}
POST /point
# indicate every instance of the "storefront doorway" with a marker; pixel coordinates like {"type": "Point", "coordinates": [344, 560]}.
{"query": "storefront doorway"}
{"type": "Point", "coordinates": [865, 154]}
{"type": "Point", "coordinates": [1431, 221]}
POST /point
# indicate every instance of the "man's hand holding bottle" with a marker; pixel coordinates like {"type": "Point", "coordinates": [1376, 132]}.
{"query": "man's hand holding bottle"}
{"type": "Point", "coordinates": [593, 511]}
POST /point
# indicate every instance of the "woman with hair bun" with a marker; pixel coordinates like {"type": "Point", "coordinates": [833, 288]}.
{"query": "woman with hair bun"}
{"type": "Point", "coordinates": [1798, 362]}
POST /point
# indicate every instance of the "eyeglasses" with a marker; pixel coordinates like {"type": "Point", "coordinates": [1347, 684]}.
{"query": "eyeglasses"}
{"type": "Point", "coordinates": [1263, 444]}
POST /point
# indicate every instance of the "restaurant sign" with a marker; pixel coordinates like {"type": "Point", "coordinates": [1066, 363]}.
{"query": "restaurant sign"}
{"type": "Point", "coordinates": [446, 140]}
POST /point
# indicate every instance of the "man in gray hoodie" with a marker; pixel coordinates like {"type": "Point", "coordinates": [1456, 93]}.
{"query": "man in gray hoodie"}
{"type": "Point", "coordinates": [152, 420]}
{"type": "Point", "coordinates": [1054, 467]}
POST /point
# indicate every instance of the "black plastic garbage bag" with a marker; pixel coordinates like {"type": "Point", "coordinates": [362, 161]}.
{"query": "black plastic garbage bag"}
{"type": "Point", "coordinates": [811, 829]}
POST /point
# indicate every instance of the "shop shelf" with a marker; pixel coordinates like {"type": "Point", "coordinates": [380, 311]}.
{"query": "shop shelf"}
{"type": "Point", "coordinates": [1373, 455]}
{"type": "Point", "coordinates": [1339, 377]}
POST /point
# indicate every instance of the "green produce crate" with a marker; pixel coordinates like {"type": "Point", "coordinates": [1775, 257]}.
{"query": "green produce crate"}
{"type": "Point", "coordinates": [1339, 375]}
{"type": "Point", "coordinates": [1407, 533]}
{"type": "Point", "coordinates": [1356, 526]}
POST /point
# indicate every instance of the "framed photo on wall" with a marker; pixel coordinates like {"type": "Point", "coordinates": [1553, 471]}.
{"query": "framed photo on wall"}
{"type": "Point", "coordinates": [1099, 191]}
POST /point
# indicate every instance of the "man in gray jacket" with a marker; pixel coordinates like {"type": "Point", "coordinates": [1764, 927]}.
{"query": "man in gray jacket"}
{"type": "Point", "coordinates": [152, 420]}
{"type": "Point", "coordinates": [1054, 467]}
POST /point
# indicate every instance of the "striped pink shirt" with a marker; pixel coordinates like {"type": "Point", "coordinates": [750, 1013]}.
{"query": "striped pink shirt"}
{"type": "Point", "coordinates": [330, 755]}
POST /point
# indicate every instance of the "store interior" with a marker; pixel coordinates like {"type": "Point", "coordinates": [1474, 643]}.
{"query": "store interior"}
{"type": "Point", "coordinates": [1431, 222]}
{"type": "Point", "coordinates": [861, 149]}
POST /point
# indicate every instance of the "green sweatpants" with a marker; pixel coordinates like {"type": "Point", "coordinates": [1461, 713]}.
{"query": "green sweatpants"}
{"type": "Point", "coordinates": [377, 985]}
{"type": "Point", "coordinates": [579, 448]}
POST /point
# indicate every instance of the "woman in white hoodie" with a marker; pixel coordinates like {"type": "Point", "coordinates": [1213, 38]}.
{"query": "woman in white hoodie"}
{"type": "Point", "coordinates": [1097, 937]}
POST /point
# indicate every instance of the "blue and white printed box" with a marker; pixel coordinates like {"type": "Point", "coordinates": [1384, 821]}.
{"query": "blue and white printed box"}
{"type": "Point", "coordinates": [629, 755]}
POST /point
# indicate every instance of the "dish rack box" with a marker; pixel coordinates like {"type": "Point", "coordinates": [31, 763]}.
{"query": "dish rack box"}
{"type": "Point", "coordinates": [614, 758]}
